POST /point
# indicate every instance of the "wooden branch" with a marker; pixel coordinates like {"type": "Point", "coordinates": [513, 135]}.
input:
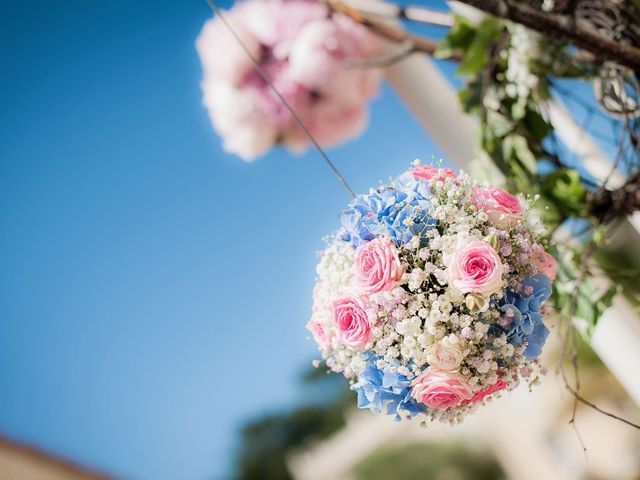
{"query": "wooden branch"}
{"type": "Point", "coordinates": [562, 27]}
{"type": "Point", "coordinates": [621, 202]}
{"type": "Point", "coordinates": [419, 44]}
{"type": "Point", "coordinates": [389, 10]}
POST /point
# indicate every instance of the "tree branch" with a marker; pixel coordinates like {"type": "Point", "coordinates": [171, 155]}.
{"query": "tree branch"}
{"type": "Point", "coordinates": [562, 27]}
{"type": "Point", "coordinates": [419, 44]}
{"type": "Point", "coordinates": [609, 204]}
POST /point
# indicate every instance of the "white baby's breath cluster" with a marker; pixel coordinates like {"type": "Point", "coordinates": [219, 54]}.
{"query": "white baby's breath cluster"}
{"type": "Point", "coordinates": [523, 49]}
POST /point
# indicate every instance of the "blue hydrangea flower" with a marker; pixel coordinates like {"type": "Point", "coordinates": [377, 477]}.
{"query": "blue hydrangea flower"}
{"type": "Point", "coordinates": [397, 213]}
{"type": "Point", "coordinates": [407, 182]}
{"type": "Point", "coordinates": [381, 390]}
{"type": "Point", "coordinates": [524, 312]}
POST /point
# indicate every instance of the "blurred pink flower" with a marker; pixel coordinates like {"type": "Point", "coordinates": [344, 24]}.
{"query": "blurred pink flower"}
{"type": "Point", "coordinates": [502, 208]}
{"type": "Point", "coordinates": [319, 332]}
{"type": "Point", "coordinates": [544, 263]}
{"type": "Point", "coordinates": [427, 172]}
{"type": "Point", "coordinates": [305, 54]}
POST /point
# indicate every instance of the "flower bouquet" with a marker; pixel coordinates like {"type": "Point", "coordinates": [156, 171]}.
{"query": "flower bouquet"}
{"type": "Point", "coordinates": [430, 296]}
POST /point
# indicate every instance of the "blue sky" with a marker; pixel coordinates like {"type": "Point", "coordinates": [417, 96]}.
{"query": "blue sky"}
{"type": "Point", "coordinates": [153, 290]}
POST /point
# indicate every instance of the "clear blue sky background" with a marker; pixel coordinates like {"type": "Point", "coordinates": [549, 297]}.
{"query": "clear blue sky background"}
{"type": "Point", "coordinates": [153, 290]}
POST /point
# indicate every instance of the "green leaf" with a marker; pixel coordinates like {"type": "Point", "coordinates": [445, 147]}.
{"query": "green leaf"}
{"type": "Point", "coordinates": [599, 307]}
{"type": "Point", "coordinates": [585, 310]}
{"type": "Point", "coordinates": [551, 217]}
{"type": "Point", "coordinates": [459, 37]}
{"type": "Point", "coordinates": [519, 108]}
{"type": "Point", "coordinates": [471, 96]}
{"type": "Point", "coordinates": [500, 124]}
{"type": "Point", "coordinates": [563, 187]}
{"type": "Point", "coordinates": [476, 55]}
{"type": "Point", "coordinates": [507, 146]}
{"type": "Point", "coordinates": [523, 153]}
{"type": "Point", "coordinates": [536, 123]}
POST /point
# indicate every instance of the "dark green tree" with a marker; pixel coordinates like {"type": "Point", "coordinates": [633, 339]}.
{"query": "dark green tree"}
{"type": "Point", "coordinates": [265, 442]}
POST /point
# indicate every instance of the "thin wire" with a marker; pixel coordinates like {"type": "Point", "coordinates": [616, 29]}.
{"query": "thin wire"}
{"type": "Point", "coordinates": [212, 4]}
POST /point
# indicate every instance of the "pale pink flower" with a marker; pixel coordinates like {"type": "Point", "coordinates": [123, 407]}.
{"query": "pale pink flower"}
{"type": "Point", "coordinates": [427, 172]}
{"type": "Point", "coordinates": [319, 331]}
{"type": "Point", "coordinates": [277, 23]}
{"type": "Point", "coordinates": [229, 108]}
{"type": "Point", "coordinates": [503, 209]}
{"type": "Point", "coordinates": [305, 54]}
{"type": "Point", "coordinates": [220, 53]}
{"type": "Point", "coordinates": [331, 125]}
{"type": "Point", "coordinates": [544, 263]}
{"type": "Point", "coordinates": [351, 322]}
{"type": "Point", "coordinates": [475, 267]}
{"type": "Point", "coordinates": [376, 266]}
{"type": "Point", "coordinates": [439, 389]}
{"type": "Point", "coordinates": [317, 60]}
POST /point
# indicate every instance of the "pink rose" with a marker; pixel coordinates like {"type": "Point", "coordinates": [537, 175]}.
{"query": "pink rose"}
{"type": "Point", "coordinates": [499, 385]}
{"type": "Point", "coordinates": [544, 263]}
{"type": "Point", "coordinates": [319, 332]}
{"type": "Point", "coordinates": [376, 266]}
{"type": "Point", "coordinates": [475, 268]}
{"type": "Point", "coordinates": [427, 172]}
{"type": "Point", "coordinates": [351, 322]}
{"type": "Point", "coordinates": [502, 208]}
{"type": "Point", "coordinates": [439, 389]}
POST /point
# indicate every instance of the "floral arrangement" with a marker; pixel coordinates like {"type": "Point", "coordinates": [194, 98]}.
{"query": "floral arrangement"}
{"type": "Point", "coordinates": [305, 51]}
{"type": "Point", "coordinates": [430, 297]}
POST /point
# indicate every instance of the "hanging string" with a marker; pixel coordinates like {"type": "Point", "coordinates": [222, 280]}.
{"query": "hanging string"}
{"type": "Point", "coordinates": [212, 4]}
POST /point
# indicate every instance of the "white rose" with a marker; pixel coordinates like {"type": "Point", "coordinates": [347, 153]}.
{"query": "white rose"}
{"type": "Point", "coordinates": [446, 354]}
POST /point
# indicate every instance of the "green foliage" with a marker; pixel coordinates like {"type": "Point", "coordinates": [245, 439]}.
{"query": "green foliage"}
{"type": "Point", "coordinates": [479, 49]}
{"type": "Point", "coordinates": [621, 264]}
{"type": "Point", "coordinates": [266, 441]}
{"type": "Point", "coordinates": [459, 37]}
{"type": "Point", "coordinates": [566, 191]}
{"type": "Point", "coordinates": [576, 295]}
{"type": "Point", "coordinates": [427, 461]}
{"type": "Point", "coordinates": [590, 306]}
{"type": "Point", "coordinates": [475, 41]}
{"type": "Point", "coordinates": [512, 128]}
{"type": "Point", "coordinates": [536, 124]}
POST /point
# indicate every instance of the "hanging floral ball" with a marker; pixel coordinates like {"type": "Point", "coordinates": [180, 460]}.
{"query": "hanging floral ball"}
{"type": "Point", "coordinates": [430, 297]}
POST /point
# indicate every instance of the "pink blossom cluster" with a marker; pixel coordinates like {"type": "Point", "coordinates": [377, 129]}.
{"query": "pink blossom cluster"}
{"type": "Point", "coordinates": [306, 53]}
{"type": "Point", "coordinates": [437, 319]}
